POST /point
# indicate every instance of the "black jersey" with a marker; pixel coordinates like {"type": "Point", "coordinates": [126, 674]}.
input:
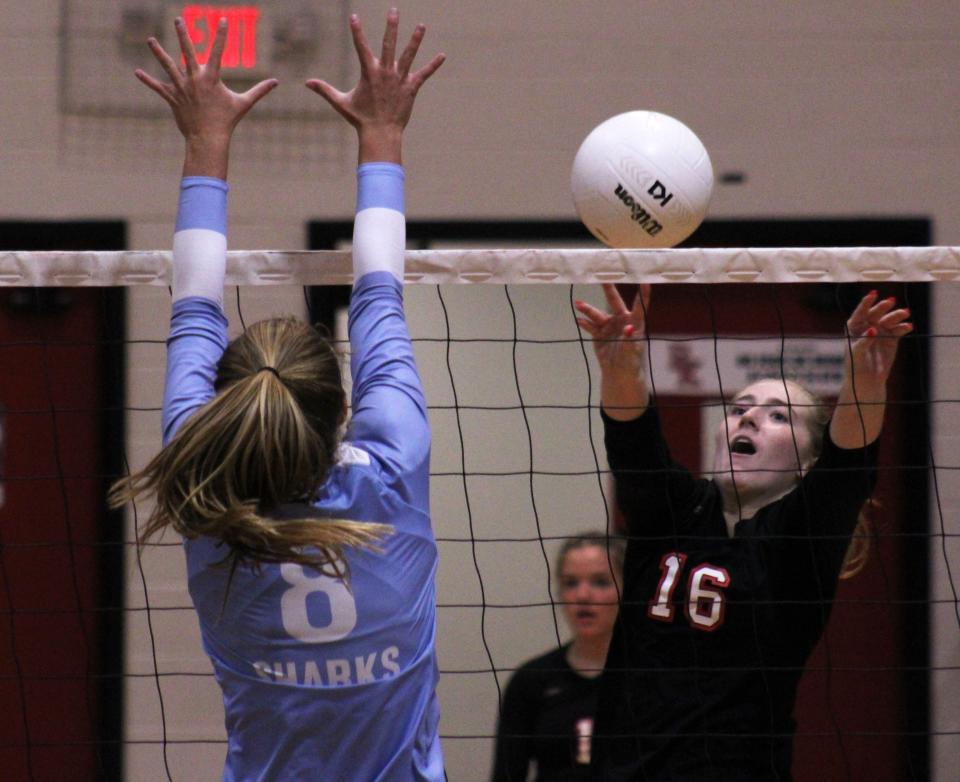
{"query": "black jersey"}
{"type": "Point", "coordinates": [714, 631]}
{"type": "Point", "coordinates": [547, 718]}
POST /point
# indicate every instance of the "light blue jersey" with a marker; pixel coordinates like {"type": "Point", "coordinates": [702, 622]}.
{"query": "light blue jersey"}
{"type": "Point", "coordinates": [322, 681]}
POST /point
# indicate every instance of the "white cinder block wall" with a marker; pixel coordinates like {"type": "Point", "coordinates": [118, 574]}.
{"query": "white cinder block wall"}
{"type": "Point", "coordinates": [830, 110]}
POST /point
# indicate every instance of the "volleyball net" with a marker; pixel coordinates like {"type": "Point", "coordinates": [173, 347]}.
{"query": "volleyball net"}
{"type": "Point", "coordinates": [99, 645]}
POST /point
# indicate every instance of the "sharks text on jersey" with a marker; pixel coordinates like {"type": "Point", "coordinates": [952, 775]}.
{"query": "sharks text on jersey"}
{"type": "Point", "coordinates": [332, 672]}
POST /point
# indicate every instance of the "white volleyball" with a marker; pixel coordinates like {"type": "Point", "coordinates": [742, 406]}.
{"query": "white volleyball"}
{"type": "Point", "coordinates": [642, 179]}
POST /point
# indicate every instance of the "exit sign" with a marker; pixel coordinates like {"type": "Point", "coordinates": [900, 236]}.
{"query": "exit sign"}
{"type": "Point", "coordinates": [246, 50]}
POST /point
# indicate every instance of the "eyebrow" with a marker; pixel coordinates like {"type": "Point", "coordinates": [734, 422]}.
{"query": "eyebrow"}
{"type": "Point", "coordinates": [750, 399]}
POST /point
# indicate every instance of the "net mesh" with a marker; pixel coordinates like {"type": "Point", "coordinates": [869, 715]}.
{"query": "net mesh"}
{"type": "Point", "coordinates": [517, 467]}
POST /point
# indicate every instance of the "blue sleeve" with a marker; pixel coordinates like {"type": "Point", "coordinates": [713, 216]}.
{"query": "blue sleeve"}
{"type": "Point", "coordinates": [380, 185]}
{"type": "Point", "coordinates": [198, 337]}
{"type": "Point", "coordinates": [198, 327]}
{"type": "Point", "coordinates": [202, 204]}
{"type": "Point", "coordinates": [389, 409]}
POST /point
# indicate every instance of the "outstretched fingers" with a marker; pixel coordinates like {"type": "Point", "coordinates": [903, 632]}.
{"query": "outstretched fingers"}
{"type": "Point", "coordinates": [901, 330]}
{"type": "Point", "coordinates": [881, 308]}
{"type": "Point", "coordinates": [641, 302]}
{"type": "Point", "coordinates": [328, 92]}
{"type": "Point", "coordinates": [380, 104]}
{"type": "Point", "coordinates": [614, 299]}
{"type": "Point", "coordinates": [895, 319]}
{"type": "Point", "coordinates": [364, 52]}
{"type": "Point", "coordinates": [604, 325]}
{"type": "Point", "coordinates": [186, 46]}
{"type": "Point", "coordinates": [595, 316]}
{"type": "Point", "coordinates": [166, 62]}
{"type": "Point", "coordinates": [858, 319]}
{"type": "Point", "coordinates": [154, 84]}
{"type": "Point", "coordinates": [876, 326]}
{"type": "Point", "coordinates": [589, 326]}
{"type": "Point", "coordinates": [873, 315]}
{"type": "Point", "coordinates": [257, 91]}
{"type": "Point", "coordinates": [419, 77]}
{"type": "Point", "coordinates": [203, 106]}
{"type": "Point", "coordinates": [216, 50]}
{"type": "Point", "coordinates": [410, 52]}
{"type": "Point", "coordinates": [388, 50]}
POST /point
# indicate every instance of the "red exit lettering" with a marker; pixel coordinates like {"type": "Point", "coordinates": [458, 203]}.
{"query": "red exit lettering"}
{"type": "Point", "coordinates": [240, 50]}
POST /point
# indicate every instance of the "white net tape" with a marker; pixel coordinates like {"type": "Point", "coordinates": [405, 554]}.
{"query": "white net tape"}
{"type": "Point", "coordinates": [443, 267]}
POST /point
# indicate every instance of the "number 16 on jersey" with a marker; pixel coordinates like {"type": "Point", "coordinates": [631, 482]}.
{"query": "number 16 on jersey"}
{"type": "Point", "coordinates": [705, 605]}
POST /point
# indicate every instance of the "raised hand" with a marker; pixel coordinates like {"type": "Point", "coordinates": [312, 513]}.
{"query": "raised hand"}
{"type": "Point", "coordinates": [205, 110]}
{"type": "Point", "coordinates": [618, 335]}
{"type": "Point", "coordinates": [875, 328]}
{"type": "Point", "coordinates": [618, 341]}
{"type": "Point", "coordinates": [380, 104]}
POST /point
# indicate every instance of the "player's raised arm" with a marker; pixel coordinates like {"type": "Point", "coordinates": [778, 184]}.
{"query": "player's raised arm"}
{"type": "Point", "coordinates": [619, 343]}
{"type": "Point", "coordinates": [206, 112]}
{"type": "Point", "coordinates": [874, 330]}
{"type": "Point", "coordinates": [388, 404]}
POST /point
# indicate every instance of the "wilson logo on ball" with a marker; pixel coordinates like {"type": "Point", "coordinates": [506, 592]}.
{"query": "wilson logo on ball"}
{"type": "Point", "coordinates": [637, 213]}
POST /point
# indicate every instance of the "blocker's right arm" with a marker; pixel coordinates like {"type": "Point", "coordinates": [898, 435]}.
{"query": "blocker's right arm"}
{"type": "Point", "coordinates": [206, 113]}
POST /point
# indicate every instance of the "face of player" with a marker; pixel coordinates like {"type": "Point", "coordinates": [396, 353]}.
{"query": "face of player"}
{"type": "Point", "coordinates": [588, 592]}
{"type": "Point", "coordinates": [758, 443]}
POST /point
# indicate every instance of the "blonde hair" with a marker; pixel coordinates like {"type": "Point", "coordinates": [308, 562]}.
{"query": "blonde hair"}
{"type": "Point", "coordinates": [268, 437]}
{"type": "Point", "coordinates": [816, 418]}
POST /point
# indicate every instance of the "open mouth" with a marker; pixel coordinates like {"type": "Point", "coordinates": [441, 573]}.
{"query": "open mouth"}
{"type": "Point", "coordinates": [742, 445]}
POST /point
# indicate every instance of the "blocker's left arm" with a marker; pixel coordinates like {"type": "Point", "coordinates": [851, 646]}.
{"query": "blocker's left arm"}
{"type": "Point", "coordinates": [389, 409]}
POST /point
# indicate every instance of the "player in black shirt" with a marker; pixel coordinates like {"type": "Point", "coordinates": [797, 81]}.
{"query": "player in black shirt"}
{"type": "Point", "coordinates": [728, 582]}
{"type": "Point", "coordinates": [546, 719]}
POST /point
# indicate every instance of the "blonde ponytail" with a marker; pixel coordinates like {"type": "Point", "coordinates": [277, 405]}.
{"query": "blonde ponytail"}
{"type": "Point", "coordinates": [267, 438]}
